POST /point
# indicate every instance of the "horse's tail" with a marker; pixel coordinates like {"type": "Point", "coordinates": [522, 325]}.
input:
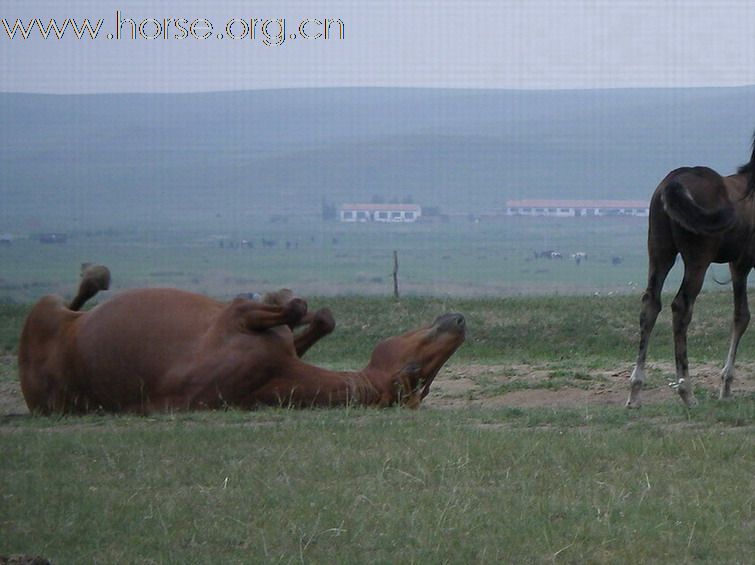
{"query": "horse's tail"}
{"type": "Point", "coordinates": [750, 167]}
{"type": "Point", "coordinates": [94, 278]}
{"type": "Point", "coordinates": [682, 208]}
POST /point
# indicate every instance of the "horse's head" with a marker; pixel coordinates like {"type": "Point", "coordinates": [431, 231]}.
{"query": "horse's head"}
{"type": "Point", "coordinates": [408, 363]}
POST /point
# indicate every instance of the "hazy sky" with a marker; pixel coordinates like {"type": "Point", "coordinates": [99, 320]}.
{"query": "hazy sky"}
{"type": "Point", "coordinates": [476, 44]}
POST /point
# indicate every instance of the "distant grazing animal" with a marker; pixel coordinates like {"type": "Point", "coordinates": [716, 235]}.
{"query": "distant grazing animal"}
{"type": "Point", "coordinates": [53, 238]}
{"type": "Point", "coordinates": [579, 256]}
{"type": "Point", "coordinates": [708, 219]}
{"type": "Point", "coordinates": [155, 349]}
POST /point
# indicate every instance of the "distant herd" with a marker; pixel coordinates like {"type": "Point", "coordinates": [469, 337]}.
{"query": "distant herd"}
{"type": "Point", "coordinates": [150, 350]}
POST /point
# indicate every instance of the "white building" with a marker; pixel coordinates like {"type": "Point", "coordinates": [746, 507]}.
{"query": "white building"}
{"type": "Point", "coordinates": [379, 212]}
{"type": "Point", "coordinates": [577, 208]}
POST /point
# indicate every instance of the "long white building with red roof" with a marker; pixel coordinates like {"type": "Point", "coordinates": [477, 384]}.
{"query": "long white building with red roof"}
{"type": "Point", "coordinates": [379, 212]}
{"type": "Point", "coordinates": [577, 208]}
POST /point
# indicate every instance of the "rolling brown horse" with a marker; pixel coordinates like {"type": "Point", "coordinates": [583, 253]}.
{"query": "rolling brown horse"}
{"type": "Point", "coordinates": [163, 349]}
{"type": "Point", "coordinates": [707, 219]}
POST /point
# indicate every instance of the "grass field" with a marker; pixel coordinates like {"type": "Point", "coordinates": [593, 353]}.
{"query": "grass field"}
{"type": "Point", "coordinates": [470, 478]}
{"type": "Point", "coordinates": [461, 258]}
{"type": "Point", "coordinates": [361, 486]}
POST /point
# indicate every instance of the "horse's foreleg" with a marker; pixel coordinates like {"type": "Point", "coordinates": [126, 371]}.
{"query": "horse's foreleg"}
{"type": "Point", "coordinates": [651, 306]}
{"type": "Point", "coordinates": [321, 323]}
{"type": "Point", "coordinates": [256, 316]}
{"type": "Point", "coordinates": [738, 326]}
{"type": "Point", "coordinates": [682, 307]}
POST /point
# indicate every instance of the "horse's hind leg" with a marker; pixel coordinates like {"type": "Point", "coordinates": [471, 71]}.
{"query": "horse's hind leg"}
{"type": "Point", "coordinates": [738, 326]}
{"type": "Point", "coordinates": [682, 306]}
{"type": "Point", "coordinates": [660, 265]}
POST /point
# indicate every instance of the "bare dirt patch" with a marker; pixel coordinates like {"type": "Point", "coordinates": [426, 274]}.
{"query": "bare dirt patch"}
{"type": "Point", "coordinates": [23, 560]}
{"type": "Point", "coordinates": [527, 386]}
{"type": "Point", "coordinates": [507, 385]}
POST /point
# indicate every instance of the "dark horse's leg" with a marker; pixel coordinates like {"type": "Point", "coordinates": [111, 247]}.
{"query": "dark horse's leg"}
{"type": "Point", "coordinates": [320, 324]}
{"type": "Point", "coordinates": [681, 307]}
{"type": "Point", "coordinates": [661, 261]}
{"type": "Point", "coordinates": [738, 326]}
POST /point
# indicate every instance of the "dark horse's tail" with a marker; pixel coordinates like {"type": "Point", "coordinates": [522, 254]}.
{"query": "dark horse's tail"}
{"type": "Point", "coordinates": [683, 209]}
{"type": "Point", "coordinates": [749, 168]}
{"type": "Point", "coordinates": [94, 278]}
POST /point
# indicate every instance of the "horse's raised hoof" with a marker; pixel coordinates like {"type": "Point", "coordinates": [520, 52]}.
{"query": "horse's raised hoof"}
{"type": "Point", "coordinates": [295, 310]}
{"type": "Point", "coordinates": [324, 320]}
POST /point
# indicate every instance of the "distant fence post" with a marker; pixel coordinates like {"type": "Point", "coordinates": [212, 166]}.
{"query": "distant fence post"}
{"type": "Point", "coordinates": [395, 274]}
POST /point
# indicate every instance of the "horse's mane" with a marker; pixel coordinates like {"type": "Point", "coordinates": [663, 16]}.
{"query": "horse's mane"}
{"type": "Point", "coordinates": [749, 169]}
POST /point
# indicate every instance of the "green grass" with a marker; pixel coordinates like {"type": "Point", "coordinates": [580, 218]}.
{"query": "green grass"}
{"type": "Point", "coordinates": [394, 486]}
{"type": "Point", "coordinates": [12, 318]}
{"type": "Point", "coordinates": [575, 331]}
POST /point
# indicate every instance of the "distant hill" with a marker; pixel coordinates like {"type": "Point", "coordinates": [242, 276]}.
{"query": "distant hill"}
{"type": "Point", "coordinates": [225, 159]}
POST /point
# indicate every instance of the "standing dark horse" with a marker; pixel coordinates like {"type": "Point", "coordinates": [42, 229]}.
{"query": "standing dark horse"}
{"type": "Point", "coordinates": [708, 219]}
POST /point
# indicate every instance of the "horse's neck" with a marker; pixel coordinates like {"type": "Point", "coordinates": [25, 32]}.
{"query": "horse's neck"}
{"type": "Point", "coordinates": [358, 387]}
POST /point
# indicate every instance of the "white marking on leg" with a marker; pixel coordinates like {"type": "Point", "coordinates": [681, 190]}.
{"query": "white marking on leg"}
{"type": "Point", "coordinates": [635, 382]}
{"type": "Point", "coordinates": [727, 374]}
